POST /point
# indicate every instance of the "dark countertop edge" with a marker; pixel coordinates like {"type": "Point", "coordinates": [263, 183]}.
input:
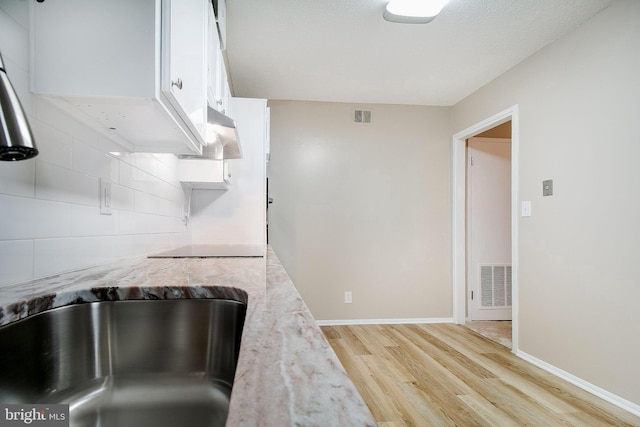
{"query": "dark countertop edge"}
{"type": "Point", "coordinates": [25, 308]}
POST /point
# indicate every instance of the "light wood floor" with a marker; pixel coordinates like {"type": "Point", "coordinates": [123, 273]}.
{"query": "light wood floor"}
{"type": "Point", "coordinates": [496, 330]}
{"type": "Point", "coordinates": [448, 375]}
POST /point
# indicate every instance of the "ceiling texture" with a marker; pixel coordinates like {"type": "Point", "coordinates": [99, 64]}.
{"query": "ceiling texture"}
{"type": "Point", "coordinates": [344, 51]}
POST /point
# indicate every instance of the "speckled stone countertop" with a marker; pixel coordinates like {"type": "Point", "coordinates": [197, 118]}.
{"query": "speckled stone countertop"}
{"type": "Point", "coordinates": [287, 373]}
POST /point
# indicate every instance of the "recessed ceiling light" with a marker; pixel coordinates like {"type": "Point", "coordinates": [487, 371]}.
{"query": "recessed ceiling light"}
{"type": "Point", "coordinates": [413, 11]}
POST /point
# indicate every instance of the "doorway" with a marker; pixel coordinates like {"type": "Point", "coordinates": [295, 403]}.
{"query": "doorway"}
{"type": "Point", "coordinates": [489, 273]}
{"type": "Point", "coordinates": [461, 271]}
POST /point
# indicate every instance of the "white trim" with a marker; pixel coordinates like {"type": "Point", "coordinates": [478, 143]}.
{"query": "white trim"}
{"type": "Point", "coordinates": [587, 386]}
{"type": "Point", "coordinates": [459, 213]}
{"type": "Point", "coordinates": [407, 321]}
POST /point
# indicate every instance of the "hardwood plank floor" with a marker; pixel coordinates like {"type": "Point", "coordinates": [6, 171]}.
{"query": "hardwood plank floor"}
{"type": "Point", "coordinates": [448, 375]}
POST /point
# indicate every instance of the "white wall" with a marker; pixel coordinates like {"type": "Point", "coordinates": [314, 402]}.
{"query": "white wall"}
{"type": "Point", "coordinates": [49, 206]}
{"type": "Point", "coordinates": [363, 208]}
{"type": "Point", "coordinates": [237, 216]}
{"type": "Point", "coordinates": [579, 276]}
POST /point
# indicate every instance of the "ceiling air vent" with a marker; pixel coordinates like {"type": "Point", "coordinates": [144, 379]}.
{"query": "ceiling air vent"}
{"type": "Point", "coordinates": [362, 116]}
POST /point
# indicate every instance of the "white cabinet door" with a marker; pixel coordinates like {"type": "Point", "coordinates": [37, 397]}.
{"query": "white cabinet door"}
{"type": "Point", "coordinates": [103, 49]}
{"type": "Point", "coordinates": [219, 93]}
{"type": "Point", "coordinates": [111, 63]}
{"type": "Point", "coordinates": [213, 58]}
{"type": "Point", "coordinates": [221, 9]}
{"type": "Point", "coordinates": [184, 78]}
{"type": "Point", "coordinates": [222, 91]}
{"type": "Point", "coordinates": [225, 93]}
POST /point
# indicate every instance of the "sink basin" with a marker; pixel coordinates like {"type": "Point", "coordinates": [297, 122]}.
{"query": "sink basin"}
{"type": "Point", "coordinates": [127, 363]}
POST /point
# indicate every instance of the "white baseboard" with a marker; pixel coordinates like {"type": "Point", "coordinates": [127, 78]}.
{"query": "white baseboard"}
{"type": "Point", "coordinates": [384, 321]}
{"type": "Point", "coordinates": [591, 388]}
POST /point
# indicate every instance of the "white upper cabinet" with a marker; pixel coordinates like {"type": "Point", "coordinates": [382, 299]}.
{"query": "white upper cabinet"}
{"type": "Point", "coordinates": [218, 91]}
{"type": "Point", "coordinates": [220, 7]}
{"type": "Point", "coordinates": [223, 103]}
{"type": "Point", "coordinates": [136, 69]}
{"type": "Point", "coordinates": [185, 80]}
{"type": "Point", "coordinates": [216, 63]}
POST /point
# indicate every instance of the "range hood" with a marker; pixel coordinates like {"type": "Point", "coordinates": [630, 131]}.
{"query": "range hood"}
{"type": "Point", "coordinates": [221, 136]}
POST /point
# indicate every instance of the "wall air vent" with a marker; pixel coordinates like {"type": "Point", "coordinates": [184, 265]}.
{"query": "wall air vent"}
{"type": "Point", "coordinates": [495, 286]}
{"type": "Point", "coordinates": [362, 116]}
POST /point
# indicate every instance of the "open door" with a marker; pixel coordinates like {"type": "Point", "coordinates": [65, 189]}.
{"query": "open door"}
{"type": "Point", "coordinates": [489, 272]}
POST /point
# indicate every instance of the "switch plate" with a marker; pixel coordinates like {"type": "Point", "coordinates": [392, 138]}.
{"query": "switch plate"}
{"type": "Point", "coordinates": [547, 187]}
{"type": "Point", "coordinates": [526, 208]}
{"type": "Point", "coordinates": [105, 197]}
{"type": "Point", "coordinates": [348, 298]}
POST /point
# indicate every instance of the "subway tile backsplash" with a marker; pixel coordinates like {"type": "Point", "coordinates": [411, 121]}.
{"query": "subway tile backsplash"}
{"type": "Point", "coordinates": [65, 185]}
{"type": "Point", "coordinates": [29, 218]}
{"type": "Point", "coordinates": [17, 178]}
{"type": "Point", "coordinates": [50, 219]}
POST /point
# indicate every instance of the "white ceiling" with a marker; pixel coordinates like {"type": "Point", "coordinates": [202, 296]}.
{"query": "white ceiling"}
{"type": "Point", "coordinates": [344, 51]}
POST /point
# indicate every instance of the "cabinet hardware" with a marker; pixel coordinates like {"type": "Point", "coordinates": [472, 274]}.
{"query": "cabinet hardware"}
{"type": "Point", "coordinates": [177, 83]}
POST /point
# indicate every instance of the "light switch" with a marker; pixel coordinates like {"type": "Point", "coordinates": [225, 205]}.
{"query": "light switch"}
{"type": "Point", "coordinates": [526, 208]}
{"type": "Point", "coordinates": [547, 187]}
{"type": "Point", "coordinates": [348, 298]}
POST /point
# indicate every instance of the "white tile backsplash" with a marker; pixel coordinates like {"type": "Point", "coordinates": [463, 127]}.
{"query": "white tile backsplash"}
{"type": "Point", "coordinates": [117, 248]}
{"type": "Point", "coordinates": [64, 185]}
{"type": "Point", "coordinates": [92, 162]}
{"type": "Point", "coordinates": [122, 197]}
{"type": "Point", "coordinates": [168, 191]}
{"type": "Point", "coordinates": [115, 170]}
{"type": "Point", "coordinates": [145, 224]}
{"type": "Point", "coordinates": [16, 262]}
{"type": "Point", "coordinates": [15, 41]}
{"type": "Point", "coordinates": [49, 207]}
{"type": "Point", "coordinates": [26, 218]}
{"type": "Point", "coordinates": [53, 256]}
{"type": "Point", "coordinates": [54, 146]}
{"type": "Point", "coordinates": [20, 82]}
{"type": "Point", "coordinates": [127, 177]}
{"type": "Point", "coordinates": [87, 221]}
{"type": "Point", "coordinates": [127, 222]}
{"type": "Point", "coordinates": [168, 169]}
{"type": "Point", "coordinates": [17, 178]}
{"type": "Point", "coordinates": [151, 204]}
{"type": "Point", "coordinates": [154, 243]}
{"type": "Point", "coordinates": [131, 176]}
{"type": "Point", "coordinates": [146, 162]}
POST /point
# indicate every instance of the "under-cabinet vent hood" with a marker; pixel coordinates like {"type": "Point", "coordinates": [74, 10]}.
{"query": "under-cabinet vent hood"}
{"type": "Point", "coordinates": [221, 136]}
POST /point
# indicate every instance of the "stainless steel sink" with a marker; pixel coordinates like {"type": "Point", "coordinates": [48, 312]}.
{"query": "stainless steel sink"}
{"type": "Point", "coordinates": [127, 363]}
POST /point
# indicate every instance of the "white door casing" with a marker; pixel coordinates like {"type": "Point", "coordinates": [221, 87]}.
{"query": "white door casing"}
{"type": "Point", "coordinates": [459, 267]}
{"type": "Point", "coordinates": [489, 273]}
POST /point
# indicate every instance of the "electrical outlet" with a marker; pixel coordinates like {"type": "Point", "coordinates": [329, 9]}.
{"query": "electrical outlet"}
{"type": "Point", "coordinates": [105, 197]}
{"type": "Point", "coordinates": [348, 298]}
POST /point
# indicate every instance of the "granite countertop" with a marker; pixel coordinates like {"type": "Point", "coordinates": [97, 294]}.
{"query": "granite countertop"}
{"type": "Point", "coordinates": [212, 251]}
{"type": "Point", "coordinates": [287, 373]}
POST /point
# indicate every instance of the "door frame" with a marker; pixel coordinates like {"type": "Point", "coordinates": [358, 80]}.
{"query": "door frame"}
{"type": "Point", "coordinates": [459, 265]}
